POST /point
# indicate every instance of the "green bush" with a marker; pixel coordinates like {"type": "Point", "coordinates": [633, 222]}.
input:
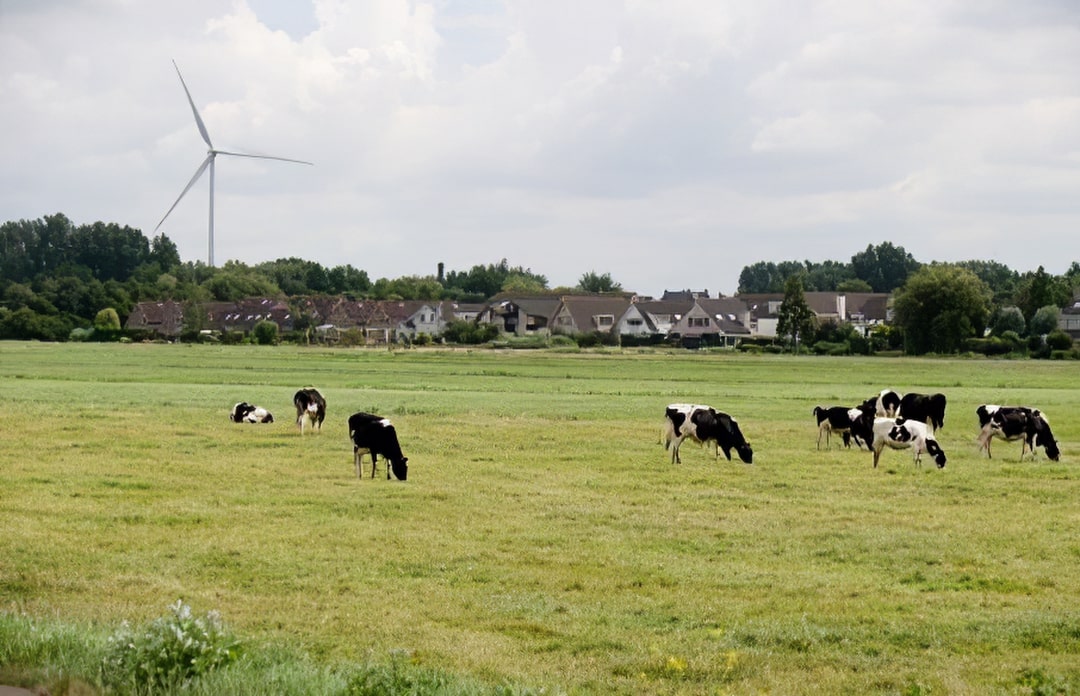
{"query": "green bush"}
{"type": "Point", "coordinates": [991, 346]}
{"type": "Point", "coordinates": [592, 339]}
{"type": "Point", "coordinates": [633, 340]}
{"type": "Point", "coordinates": [832, 348]}
{"type": "Point", "coordinates": [470, 333]}
{"type": "Point", "coordinates": [860, 345]}
{"type": "Point", "coordinates": [170, 653]}
{"type": "Point", "coordinates": [1059, 340]}
{"type": "Point", "coordinates": [265, 333]}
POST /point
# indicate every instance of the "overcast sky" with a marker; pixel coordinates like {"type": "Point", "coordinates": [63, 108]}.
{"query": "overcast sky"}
{"type": "Point", "coordinates": [668, 143]}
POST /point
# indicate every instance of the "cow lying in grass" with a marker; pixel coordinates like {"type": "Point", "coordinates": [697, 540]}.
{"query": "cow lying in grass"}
{"type": "Point", "coordinates": [244, 412]}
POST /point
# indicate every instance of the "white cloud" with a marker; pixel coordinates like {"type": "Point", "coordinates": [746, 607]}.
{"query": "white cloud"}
{"type": "Point", "coordinates": [668, 144]}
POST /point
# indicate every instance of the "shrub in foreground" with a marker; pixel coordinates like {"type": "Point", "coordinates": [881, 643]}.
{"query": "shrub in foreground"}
{"type": "Point", "coordinates": [170, 652]}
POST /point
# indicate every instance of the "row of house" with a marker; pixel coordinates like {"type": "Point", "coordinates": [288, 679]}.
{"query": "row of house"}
{"type": "Point", "coordinates": [690, 317]}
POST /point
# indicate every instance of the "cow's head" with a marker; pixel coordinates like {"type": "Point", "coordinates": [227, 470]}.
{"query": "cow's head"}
{"type": "Point", "coordinates": [746, 453]}
{"type": "Point", "coordinates": [400, 468]}
{"type": "Point", "coordinates": [935, 451]}
{"type": "Point", "coordinates": [1044, 437]}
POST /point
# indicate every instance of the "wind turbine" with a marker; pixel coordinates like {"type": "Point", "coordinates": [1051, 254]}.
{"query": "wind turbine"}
{"type": "Point", "coordinates": [211, 155]}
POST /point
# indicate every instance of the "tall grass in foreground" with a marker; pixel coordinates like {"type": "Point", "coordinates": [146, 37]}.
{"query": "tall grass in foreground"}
{"type": "Point", "coordinates": [160, 658]}
{"type": "Point", "coordinates": [543, 539]}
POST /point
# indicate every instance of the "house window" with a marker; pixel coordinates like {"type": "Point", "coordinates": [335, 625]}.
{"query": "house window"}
{"type": "Point", "coordinates": [634, 322]}
{"type": "Point", "coordinates": [604, 319]}
{"type": "Point", "coordinates": [698, 322]}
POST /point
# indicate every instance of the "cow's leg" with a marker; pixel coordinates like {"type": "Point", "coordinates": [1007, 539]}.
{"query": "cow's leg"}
{"type": "Point", "coordinates": [823, 429]}
{"type": "Point", "coordinates": [356, 461]}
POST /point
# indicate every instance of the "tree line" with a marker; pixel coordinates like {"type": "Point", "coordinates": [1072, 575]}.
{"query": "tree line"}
{"type": "Point", "coordinates": [57, 277]}
{"type": "Point", "coordinates": [973, 306]}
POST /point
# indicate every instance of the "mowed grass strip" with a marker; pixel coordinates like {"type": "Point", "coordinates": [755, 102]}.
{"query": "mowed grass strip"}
{"type": "Point", "coordinates": [543, 537]}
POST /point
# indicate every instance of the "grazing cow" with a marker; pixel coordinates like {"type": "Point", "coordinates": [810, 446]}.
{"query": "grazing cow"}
{"type": "Point", "coordinates": [376, 436]}
{"type": "Point", "coordinates": [310, 408]}
{"type": "Point", "coordinates": [925, 408]}
{"type": "Point", "coordinates": [885, 405]}
{"type": "Point", "coordinates": [1011, 423]}
{"type": "Point", "coordinates": [701, 424]}
{"type": "Point", "coordinates": [835, 419]}
{"type": "Point", "coordinates": [244, 412]}
{"type": "Point", "coordinates": [901, 434]}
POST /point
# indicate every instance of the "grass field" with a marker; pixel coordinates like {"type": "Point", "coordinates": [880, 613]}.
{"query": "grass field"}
{"type": "Point", "coordinates": [543, 539]}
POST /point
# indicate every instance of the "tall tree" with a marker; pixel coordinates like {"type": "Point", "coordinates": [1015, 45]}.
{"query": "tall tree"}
{"type": "Point", "coordinates": [487, 281]}
{"type": "Point", "coordinates": [759, 277]}
{"type": "Point", "coordinates": [885, 266]}
{"type": "Point", "coordinates": [1040, 289]}
{"type": "Point", "coordinates": [941, 306]}
{"type": "Point", "coordinates": [827, 276]}
{"type": "Point", "coordinates": [1001, 279]}
{"type": "Point", "coordinates": [1009, 319]}
{"type": "Point", "coordinates": [594, 282]}
{"type": "Point", "coordinates": [1045, 320]}
{"type": "Point", "coordinates": [796, 319]}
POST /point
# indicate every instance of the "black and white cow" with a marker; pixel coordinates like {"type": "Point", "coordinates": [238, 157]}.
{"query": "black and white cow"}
{"type": "Point", "coordinates": [885, 405]}
{"type": "Point", "coordinates": [1011, 423]}
{"type": "Point", "coordinates": [244, 412]}
{"type": "Point", "coordinates": [376, 436]}
{"type": "Point", "coordinates": [835, 419]}
{"type": "Point", "coordinates": [925, 408]}
{"type": "Point", "coordinates": [310, 408]}
{"type": "Point", "coordinates": [701, 424]}
{"type": "Point", "coordinates": [898, 433]}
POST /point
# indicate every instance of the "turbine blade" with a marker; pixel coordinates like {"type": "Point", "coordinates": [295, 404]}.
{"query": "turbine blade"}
{"type": "Point", "coordinates": [198, 118]}
{"type": "Point", "coordinates": [269, 157]}
{"type": "Point", "coordinates": [198, 172]}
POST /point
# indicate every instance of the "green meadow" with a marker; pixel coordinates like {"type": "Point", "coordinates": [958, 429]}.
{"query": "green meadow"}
{"type": "Point", "coordinates": [543, 540]}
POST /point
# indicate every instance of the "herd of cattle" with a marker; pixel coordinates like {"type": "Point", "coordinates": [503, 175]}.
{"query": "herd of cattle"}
{"type": "Point", "coordinates": [886, 420]}
{"type": "Point", "coordinates": [370, 434]}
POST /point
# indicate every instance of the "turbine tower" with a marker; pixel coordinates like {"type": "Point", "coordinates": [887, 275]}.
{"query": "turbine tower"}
{"type": "Point", "coordinates": [211, 155]}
